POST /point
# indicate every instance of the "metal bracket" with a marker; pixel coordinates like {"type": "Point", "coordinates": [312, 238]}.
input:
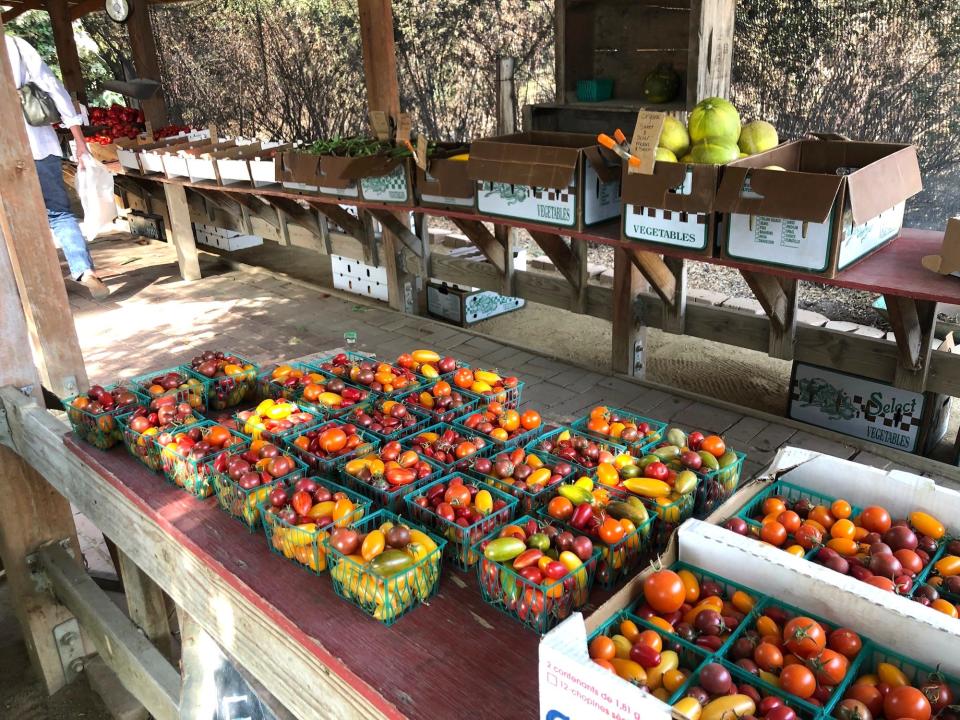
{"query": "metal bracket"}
{"type": "Point", "coordinates": [70, 648]}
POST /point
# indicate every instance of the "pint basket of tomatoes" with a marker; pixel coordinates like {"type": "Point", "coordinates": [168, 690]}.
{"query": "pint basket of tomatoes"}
{"type": "Point", "coordinates": [583, 451]}
{"type": "Point", "coordinates": [536, 572]}
{"type": "Point", "coordinates": [428, 364]}
{"type": "Point", "coordinates": [462, 510]}
{"type": "Point", "coordinates": [177, 382]}
{"type": "Point", "coordinates": [384, 565]}
{"type": "Point", "coordinates": [446, 446]}
{"type": "Point", "coordinates": [441, 401]}
{"type": "Point", "coordinates": [250, 476]}
{"type": "Point", "coordinates": [888, 686]}
{"type": "Point", "coordinates": [386, 418]}
{"type": "Point", "coordinates": [229, 378]}
{"type": "Point", "coordinates": [388, 475]}
{"type": "Point", "coordinates": [489, 385]}
{"type": "Point", "coordinates": [719, 690]}
{"type": "Point", "coordinates": [622, 426]}
{"type": "Point", "coordinates": [367, 372]}
{"type": "Point", "coordinates": [645, 655]}
{"type": "Point", "coordinates": [502, 426]}
{"type": "Point", "coordinates": [93, 415]}
{"type": "Point", "coordinates": [700, 607]}
{"type": "Point", "coordinates": [324, 446]}
{"type": "Point", "coordinates": [529, 477]}
{"type": "Point", "coordinates": [323, 394]}
{"type": "Point", "coordinates": [940, 589]}
{"type": "Point", "coordinates": [796, 653]}
{"type": "Point", "coordinates": [618, 523]}
{"type": "Point", "coordinates": [274, 420]}
{"type": "Point", "coordinates": [143, 426]}
{"type": "Point", "coordinates": [192, 455]}
{"type": "Point", "coordinates": [298, 518]}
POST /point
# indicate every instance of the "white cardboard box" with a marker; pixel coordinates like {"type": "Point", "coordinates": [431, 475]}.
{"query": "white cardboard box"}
{"type": "Point", "coordinates": [359, 278]}
{"type": "Point", "coordinates": [570, 687]}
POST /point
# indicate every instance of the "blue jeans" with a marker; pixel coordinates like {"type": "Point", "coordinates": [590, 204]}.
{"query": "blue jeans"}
{"type": "Point", "coordinates": [61, 219]}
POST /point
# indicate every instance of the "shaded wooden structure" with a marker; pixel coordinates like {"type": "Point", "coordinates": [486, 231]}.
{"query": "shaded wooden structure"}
{"type": "Point", "coordinates": [161, 543]}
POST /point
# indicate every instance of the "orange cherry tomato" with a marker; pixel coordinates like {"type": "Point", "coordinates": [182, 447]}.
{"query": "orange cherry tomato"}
{"type": "Point", "coordinates": [650, 638]}
{"type": "Point", "coordinates": [602, 648]}
{"type": "Point", "coordinates": [560, 508]}
{"type": "Point", "coordinates": [798, 680]}
{"type": "Point", "coordinates": [773, 505]}
{"type": "Point", "coordinates": [790, 520]}
{"type": "Point", "coordinates": [875, 519]}
{"type": "Point", "coordinates": [664, 591]}
{"type": "Point", "coordinates": [611, 531]}
{"type": "Point", "coordinates": [714, 445]}
{"type": "Point", "coordinates": [821, 514]}
{"type": "Point", "coordinates": [530, 420]}
{"type": "Point", "coordinates": [774, 533]}
{"type": "Point", "coordinates": [841, 509]}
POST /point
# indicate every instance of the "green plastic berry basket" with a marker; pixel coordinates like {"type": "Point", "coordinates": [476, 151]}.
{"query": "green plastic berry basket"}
{"type": "Point", "coordinates": [412, 400]}
{"type": "Point", "coordinates": [655, 435]}
{"type": "Point", "coordinates": [535, 447]}
{"type": "Point", "coordinates": [355, 358]}
{"type": "Point", "coordinates": [303, 545]}
{"type": "Point", "coordinates": [386, 598]}
{"type": "Point", "coordinates": [382, 493]}
{"type": "Point", "coordinates": [195, 475]}
{"type": "Point", "coordinates": [410, 442]}
{"type": "Point", "coordinates": [538, 607]}
{"type": "Point", "coordinates": [461, 538]}
{"type": "Point", "coordinates": [421, 418]}
{"type": "Point", "coordinates": [620, 559]}
{"type": "Point", "coordinates": [244, 505]}
{"type": "Point", "coordinates": [328, 465]}
{"type": "Point", "coordinates": [690, 656]}
{"type": "Point", "coordinates": [102, 430]}
{"type": "Point", "coordinates": [594, 89]}
{"type": "Point", "coordinates": [230, 390]}
{"type": "Point", "coordinates": [192, 391]}
{"type": "Point", "coordinates": [531, 500]}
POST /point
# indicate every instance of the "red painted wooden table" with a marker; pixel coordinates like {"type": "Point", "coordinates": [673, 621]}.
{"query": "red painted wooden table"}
{"type": "Point", "coordinates": [455, 658]}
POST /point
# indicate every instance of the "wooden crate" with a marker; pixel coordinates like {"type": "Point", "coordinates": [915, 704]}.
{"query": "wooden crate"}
{"type": "Point", "coordinates": [625, 40]}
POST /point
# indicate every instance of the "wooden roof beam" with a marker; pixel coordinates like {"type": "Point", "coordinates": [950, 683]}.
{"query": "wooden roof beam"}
{"type": "Point", "coordinates": [18, 10]}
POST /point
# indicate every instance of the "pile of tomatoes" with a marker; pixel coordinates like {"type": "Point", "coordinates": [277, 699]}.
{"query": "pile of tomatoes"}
{"type": "Point", "coordinates": [298, 382]}
{"type": "Point", "coordinates": [427, 363]}
{"type": "Point", "coordinates": [885, 692]}
{"type": "Point", "coordinates": [230, 379]}
{"type": "Point", "coordinates": [501, 424]}
{"type": "Point", "coordinates": [175, 383]}
{"type": "Point", "coordinates": [694, 605]}
{"type": "Point", "coordinates": [145, 425]}
{"type": "Point", "coordinates": [719, 693]}
{"type": "Point", "coordinates": [868, 545]}
{"type": "Point", "coordinates": [446, 445]}
{"type": "Point", "coordinates": [115, 122]}
{"type": "Point", "coordinates": [621, 427]}
{"type": "Point", "coordinates": [489, 384]}
{"type": "Point", "coordinates": [645, 657]}
{"type": "Point", "coordinates": [802, 656]}
{"type": "Point", "coordinates": [93, 415]}
{"type": "Point", "coordinates": [377, 376]}
{"type": "Point", "coordinates": [191, 456]}
{"type": "Point", "coordinates": [273, 419]}
{"type": "Point", "coordinates": [250, 476]}
{"type": "Point", "coordinates": [524, 475]}
{"type": "Point", "coordinates": [463, 511]}
{"type": "Point", "coordinates": [536, 571]}
{"type": "Point", "coordinates": [390, 468]}
{"type": "Point", "coordinates": [942, 588]}
{"type": "Point", "coordinates": [576, 448]}
{"type": "Point", "coordinates": [321, 446]}
{"type": "Point", "coordinates": [441, 401]}
{"type": "Point", "coordinates": [386, 418]}
{"type": "Point", "coordinates": [618, 523]}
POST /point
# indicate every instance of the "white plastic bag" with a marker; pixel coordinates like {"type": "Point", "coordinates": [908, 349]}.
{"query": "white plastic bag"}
{"type": "Point", "coordinates": [95, 188]}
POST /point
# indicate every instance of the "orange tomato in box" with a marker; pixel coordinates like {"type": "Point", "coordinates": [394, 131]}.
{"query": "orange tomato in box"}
{"type": "Point", "coordinates": [463, 378]}
{"type": "Point", "coordinates": [333, 440]}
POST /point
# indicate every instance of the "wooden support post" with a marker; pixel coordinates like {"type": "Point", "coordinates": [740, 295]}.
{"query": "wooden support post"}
{"type": "Point", "coordinates": [282, 225]}
{"type": "Point", "coordinates": [675, 313]}
{"type": "Point", "coordinates": [181, 231]}
{"type": "Point", "coordinates": [67, 57]}
{"type": "Point", "coordinates": [245, 218]}
{"type": "Point", "coordinates": [146, 605]}
{"type": "Point", "coordinates": [379, 55]}
{"type": "Point", "coordinates": [483, 240]}
{"type": "Point", "coordinates": [778, 296]}
{"type": "Point", "coordinates": [351, 225]}
{"type": "Point", "coordinates": [144, 50]}
{"type": "Point", "coordinates": [32, 514]}
{"type": "Point", "coordinates": [421, 223]}
{"type": "Point", "coordinates": [324, 233]}
{"type": "Point", "coordinates": [368, 239]}
{"type": "Point", "coordinates": [913, 323]}
{"type": "Point", "coordinates": [397, 227]}
{"type": "Point", "coordinates": [629, 334]}
{"type": "Point", "coordinates": [31, 259]}
{"type": "Point", "coordinates": [656, 272]}
{"type": "Point", "coordinates": [506, 96]}
{"type": "Point", "coordinates": [506, 236]}
{"type": "Point", "coordinates": [579, 250]}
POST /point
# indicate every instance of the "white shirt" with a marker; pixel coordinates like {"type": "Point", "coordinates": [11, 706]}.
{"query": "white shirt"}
{"type": "Point", "coordinates": [28, 66]}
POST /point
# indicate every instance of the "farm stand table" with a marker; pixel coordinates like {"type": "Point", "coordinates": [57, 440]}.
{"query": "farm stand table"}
{"type": "Point", "coordinates": [317, 654]}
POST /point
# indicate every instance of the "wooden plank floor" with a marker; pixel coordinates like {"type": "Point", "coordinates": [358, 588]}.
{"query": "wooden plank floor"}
{"type": "Point", "coordinates": [153, 320]}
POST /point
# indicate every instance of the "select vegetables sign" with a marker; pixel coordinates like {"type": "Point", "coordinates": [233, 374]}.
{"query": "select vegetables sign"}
{"type": "Point", "coordinates": [856, 406]}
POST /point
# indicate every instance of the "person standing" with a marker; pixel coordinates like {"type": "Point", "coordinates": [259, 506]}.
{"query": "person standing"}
{"type": "Point", "coordinates": [28, 66]}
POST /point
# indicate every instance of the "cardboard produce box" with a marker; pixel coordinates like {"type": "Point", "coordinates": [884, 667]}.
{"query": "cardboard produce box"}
{"type": "Point", "coordinates": [377, 178]}
{"type": "Point", "coordinates": [868, 409]}
{"type": "Point", "coordinates": [572, 686]}
{"type": "Point", "coordinates": [675, 207]}
{"type": "Point", "coordinates": [256, 164]}
{"type": "Point", "coordinates": [557, 179]}
{"type": "Point", "coordinates": [147, 158]}
{"type": "Point", "coordinates": [446, 183]}
{"type": "Point", "coordinates": [835, 202]}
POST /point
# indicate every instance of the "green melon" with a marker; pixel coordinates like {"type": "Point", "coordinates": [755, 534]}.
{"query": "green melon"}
{"type": "Point", "coordinates": [715, 120]}
{"type": "Point", "coordinates": [758, 136]}
{"type": "Point", "coordinates": [674, 136]}
{"type": "Point", "coordinates": [662, 85]}
{"type": "Point", "coordinates": [711, 153]}
{"type": "Point", "coordinates": [665, 155]}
